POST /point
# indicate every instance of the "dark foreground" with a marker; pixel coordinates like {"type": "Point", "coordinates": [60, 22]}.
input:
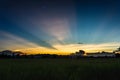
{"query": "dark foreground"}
{"type": "Point", "coordinates": [60, 69]}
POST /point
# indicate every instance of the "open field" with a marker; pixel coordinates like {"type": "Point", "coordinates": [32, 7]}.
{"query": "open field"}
{"type": "Point", "coordinates": [60, 69]}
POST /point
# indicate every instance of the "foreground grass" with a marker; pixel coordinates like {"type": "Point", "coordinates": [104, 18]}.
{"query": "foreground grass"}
{"type": "Point", "coordinates": [60, 69]}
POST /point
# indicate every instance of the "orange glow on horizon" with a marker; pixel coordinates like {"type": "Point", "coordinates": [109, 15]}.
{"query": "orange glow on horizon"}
{"type": "Point", "coordinates": [72, 48]}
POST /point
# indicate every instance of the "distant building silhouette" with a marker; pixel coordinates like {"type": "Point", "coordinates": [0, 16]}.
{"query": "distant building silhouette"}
{"type": "Point", "coordinates": [9, 53]}
{"type": "Point", "coordinates": [102, 54]}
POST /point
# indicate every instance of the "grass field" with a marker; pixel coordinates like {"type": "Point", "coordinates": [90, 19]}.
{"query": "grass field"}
{"type": "Point", "coordinates": [60, 69]}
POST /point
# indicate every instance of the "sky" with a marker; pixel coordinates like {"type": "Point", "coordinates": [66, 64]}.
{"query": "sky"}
{"type": "Point", "coordinates": [59, 26]}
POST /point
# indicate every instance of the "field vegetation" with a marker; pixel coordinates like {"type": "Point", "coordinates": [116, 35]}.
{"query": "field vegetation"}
{"type": "Point", "coordinates": [60, 69]}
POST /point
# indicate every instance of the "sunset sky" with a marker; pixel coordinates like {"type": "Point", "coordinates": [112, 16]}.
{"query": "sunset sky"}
{"type": "Point", "coordinates": [59, 26]}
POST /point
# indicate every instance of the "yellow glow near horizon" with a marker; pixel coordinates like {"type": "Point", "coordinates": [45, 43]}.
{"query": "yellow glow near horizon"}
{"type": "Point", "coordinates": [72, 48]}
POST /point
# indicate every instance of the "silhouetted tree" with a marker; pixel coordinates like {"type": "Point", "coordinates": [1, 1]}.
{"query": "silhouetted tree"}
{"type": "Point", "coordinates": [82, 51]}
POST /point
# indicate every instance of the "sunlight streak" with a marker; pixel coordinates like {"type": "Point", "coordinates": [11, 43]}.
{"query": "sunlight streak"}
{"type": "Point", "coordinates": [56, 27]}
{"type": "Point", "coordinates": [13, 42]}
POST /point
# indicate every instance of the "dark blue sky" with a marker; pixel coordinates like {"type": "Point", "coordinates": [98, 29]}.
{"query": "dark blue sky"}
{"type": "Point", "coordinates": [48, 22]}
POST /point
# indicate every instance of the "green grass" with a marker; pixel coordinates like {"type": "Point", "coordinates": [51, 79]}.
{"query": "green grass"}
{"type": "Point", "coordinates": [60, 69]}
